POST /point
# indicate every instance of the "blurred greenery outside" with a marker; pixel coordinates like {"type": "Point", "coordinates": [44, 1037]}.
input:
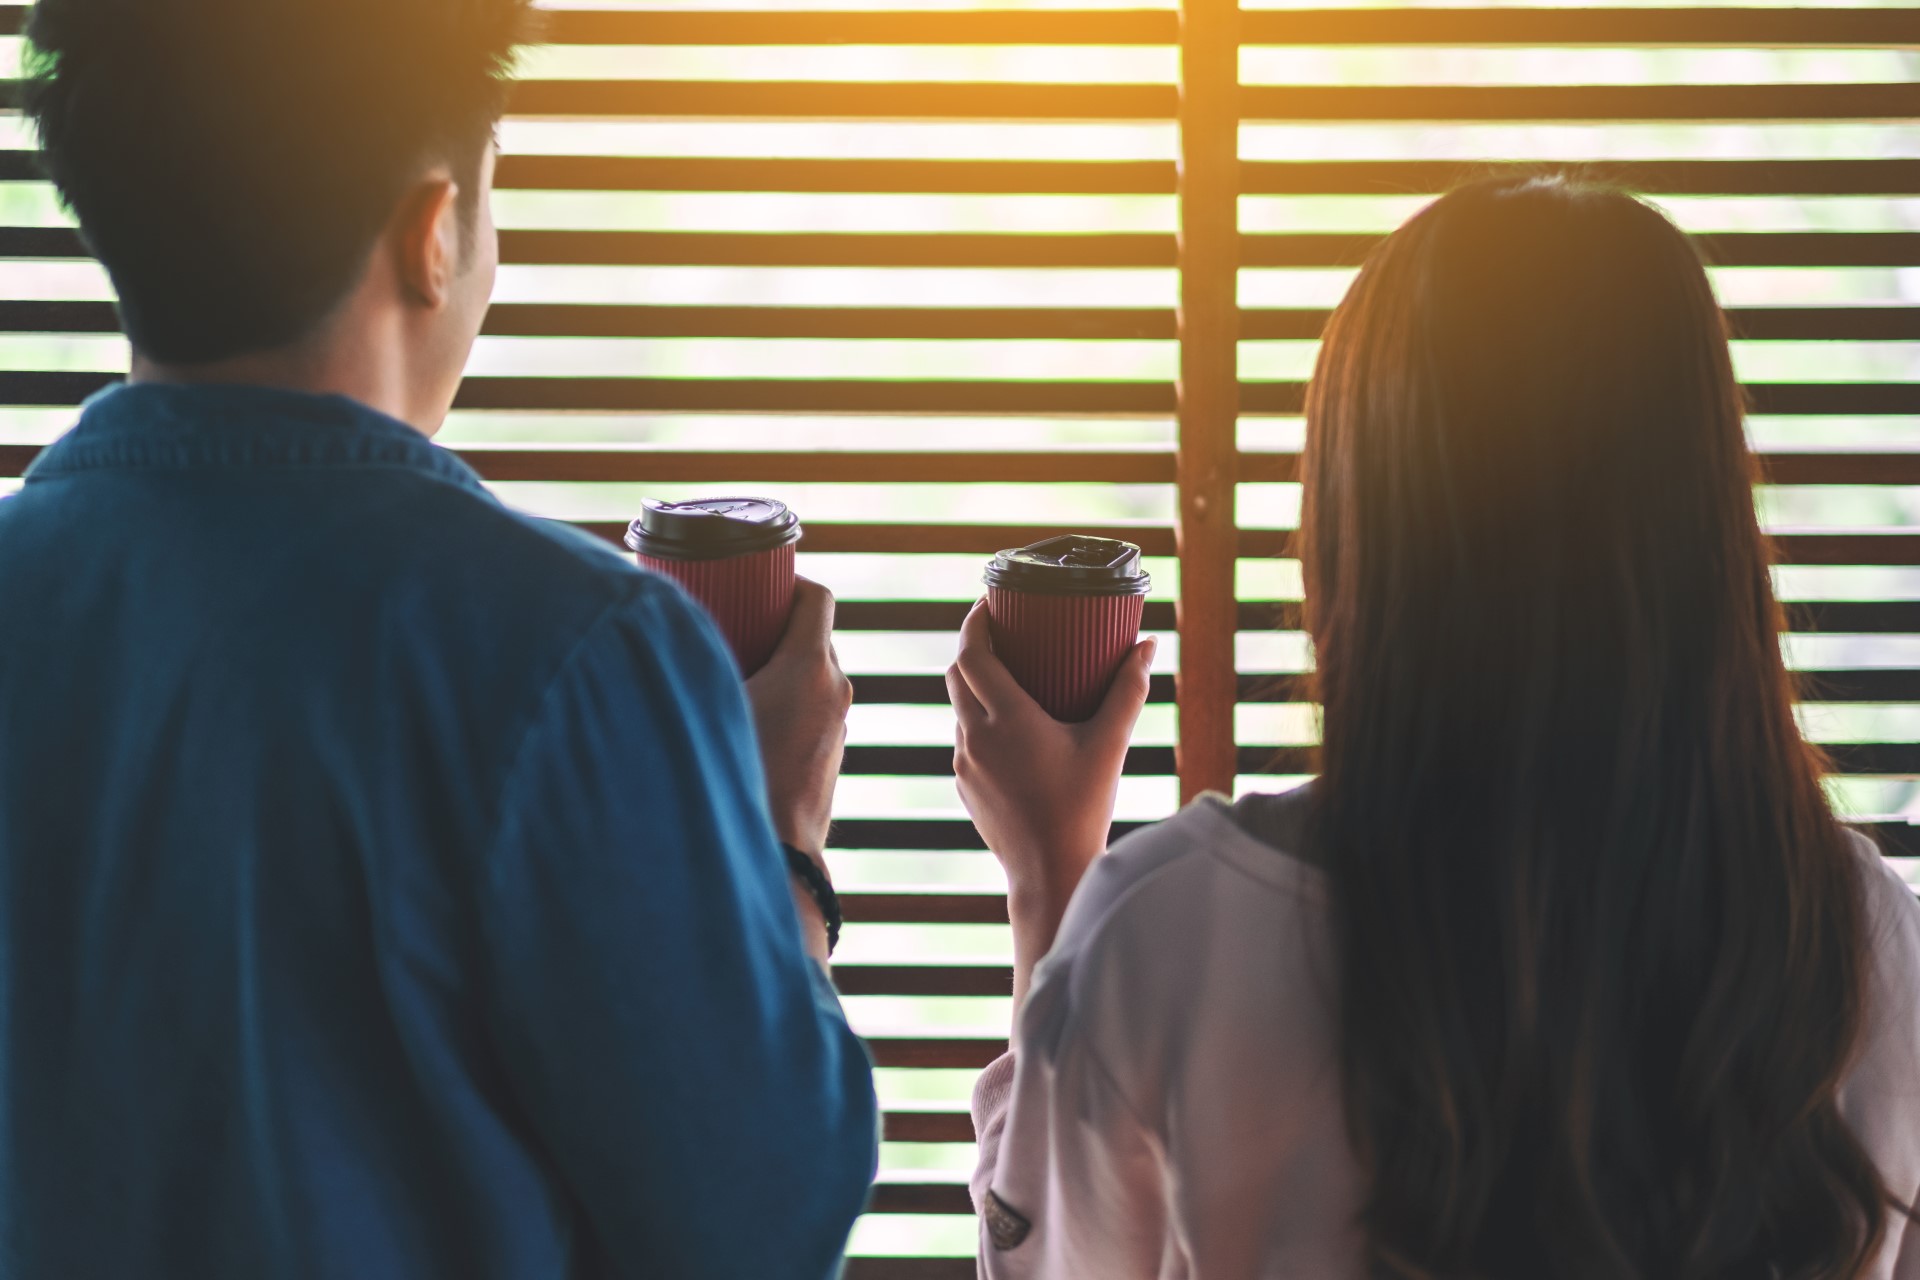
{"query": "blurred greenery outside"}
{"type": "Point", "coordinates": [880, 576]}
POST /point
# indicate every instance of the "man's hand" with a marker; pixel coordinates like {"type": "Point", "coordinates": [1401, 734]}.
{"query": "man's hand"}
{"type": "Point", "coordinates": [800, 703]}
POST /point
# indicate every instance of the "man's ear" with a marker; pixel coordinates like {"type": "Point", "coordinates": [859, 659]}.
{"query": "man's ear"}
{"type": "Point", "coordinates": [427, 240]}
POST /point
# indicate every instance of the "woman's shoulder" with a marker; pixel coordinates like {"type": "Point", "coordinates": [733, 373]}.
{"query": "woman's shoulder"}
{"type": "Point", "coordinates": [1881, 1099]}
{"type": "Point", "coordinates": [1893, 926]}
{"type": "Point", "coordinates": [1891, 901]}
{"type": "Point", "coordinates": [1160, 887]}
{"type": "Point", "coordinates": [1188, 947]}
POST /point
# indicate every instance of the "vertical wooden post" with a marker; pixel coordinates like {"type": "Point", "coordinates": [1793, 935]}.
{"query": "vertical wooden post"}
{"type": "Point", "coordinates": [1209, 388]}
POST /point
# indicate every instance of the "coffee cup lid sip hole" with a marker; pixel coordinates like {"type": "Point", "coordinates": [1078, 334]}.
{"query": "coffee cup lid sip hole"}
{"type": "Point", "coordinates": [1072, 565]}
{"type": "Point", "coordinates": [712, 528]}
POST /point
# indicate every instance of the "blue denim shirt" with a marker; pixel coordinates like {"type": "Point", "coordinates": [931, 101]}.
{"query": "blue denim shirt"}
{"type": "Point", "coordinates": [386, 885]}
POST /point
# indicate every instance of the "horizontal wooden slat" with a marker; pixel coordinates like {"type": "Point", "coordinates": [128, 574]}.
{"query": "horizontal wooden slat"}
{"type": "Point", "coordinates": [41, 242]}
{"type": "Point", "coordinates": [1811, 399]}
{"type": "Point", "coordinates": [1117, 26]}
{"type": "Point", "coordinates": [925, 690]}
{"type": "Point", "coordinates": [923, 980]}
{"type": "Point", "coordinates": [925, 908]}
{"type": "Point", "coordinates": [920, 1197]}
{"type": "Point", "coordinates": [724, 395]}
{"type": "Point", "coordinates": [940, 539]}
{"type": "Point", "coordinates": [1824, 467]}
{"type": "Point", "coordinates": [1057, 323]}
{"type": "Point", "coordinates": [34, 315]}
{"type": "Point", "coordinates": [1899, 758]}
{"type": "Point", "coordinates": [942, 615]}
{"type": "Point", "coordinates": [1735, 249]}
{"type": "Point", "coordinates": [563, 320]}
{"type": "Point", "coordinates": [879, 249]}
{"type": "Point", "coordinates": [827, 466]}
{"type": "Point", "coordinates": [1156, 102]}
{"type": "Point", "coordinates": [816, 100]}
{"type": "Point", "coordinates": [823, 100]}
{"type": "Point", "coordinates": [1830, 25]}
{"type": "Point", "coordinates": [937, 762]}
{"type": "Point", "coordinates": [1864, 617]}
{"type": "Point", "coordinates": [1890, 547]}
{"type": "Point", "coordinates": [1811, 248]}
{"type": "Point", "coordinates": [910, 834]}
{"type": "Point", "coordinates": [807, 395]}
{"type": "Point", "coordinates": [1890, 684]}
{"type": "Point", "coordinates": [921, 833]}
{"type": "Point", "coordinates": [1153, 177]}
{"type": "Point", "coordinates": [948, 1054]}
{"type": "Point", "coordinates": [1009, 101]}
{"type": "Point", "coordinates": [1776, 324]}
{"type": "Point", "coordinates": [767, 173]}
{"type": "Point", "coordinates": [892, 1268]}
{"type": "Point", "coordinates": [1827, 324]}
{"type": "Point", "coordinates": [947, 615]}
{"type": "Point", "coordinates": [1859, 685]}
{"type": "Point", "coordinates": [1868, 617]}
{"type": "Point", "coordinates": [640, 465]}
{"type": "Point", "coordinates": [1017, 251]}
{"type": "Point", "coordinates": [559, 320]}
{"type": "Point", "coordinates": [1853, 399]}
{"type": "Point", "coordinates": [1656, 177]}
{"type": "Point", "coordinates": [51, 389]}
{"type": "Point", "coordinates": [1677, 102]}
{"type": "Point", "coordinates": [928, 1126]}
{"type": "Point", "coordinates": [1839, 466]}
{"type": "Point", "coordinates": [1875, 547]}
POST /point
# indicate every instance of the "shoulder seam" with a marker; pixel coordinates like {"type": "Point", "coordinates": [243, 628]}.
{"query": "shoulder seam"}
{"type": "Point", "coordinates": [637, 590]}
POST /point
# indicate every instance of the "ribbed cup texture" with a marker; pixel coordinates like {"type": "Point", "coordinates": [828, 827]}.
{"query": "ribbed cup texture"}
{"type": "Point", "coordinates": [1064, 650]}
{"type": "Point", "coordinates": [751, 597]}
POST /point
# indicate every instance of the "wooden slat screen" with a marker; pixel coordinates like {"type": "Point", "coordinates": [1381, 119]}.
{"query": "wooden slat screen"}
{"type": "Point", "coordinates": [952, 279]}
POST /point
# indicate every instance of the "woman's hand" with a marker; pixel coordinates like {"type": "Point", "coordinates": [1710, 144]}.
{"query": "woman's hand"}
{"type": "Point", "coordinates": [1041, 792]}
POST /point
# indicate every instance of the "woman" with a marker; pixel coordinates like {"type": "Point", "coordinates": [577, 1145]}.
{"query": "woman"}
{"type": "Point", "coordinates": [1563, 968]}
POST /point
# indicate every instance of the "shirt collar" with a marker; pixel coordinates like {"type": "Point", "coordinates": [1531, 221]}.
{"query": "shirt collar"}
{"type": "Point", "coordinates": [148, 426]}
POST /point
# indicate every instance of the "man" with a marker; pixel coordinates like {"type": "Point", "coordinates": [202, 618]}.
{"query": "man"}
{"type": "Point", "coordinates": [389, 883]}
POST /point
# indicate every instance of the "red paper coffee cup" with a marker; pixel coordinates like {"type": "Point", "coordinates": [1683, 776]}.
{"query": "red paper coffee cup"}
{"type": "Point", "coordinates": [733, 555]}
{"type": "Point", "coordinates": [1064, 615]}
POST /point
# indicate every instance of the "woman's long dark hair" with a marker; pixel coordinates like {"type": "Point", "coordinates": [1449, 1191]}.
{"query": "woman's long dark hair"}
{"type": "Point", "coordinates": [1601, 938]}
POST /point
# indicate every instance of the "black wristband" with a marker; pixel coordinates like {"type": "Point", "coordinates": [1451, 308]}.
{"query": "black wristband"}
{"type": "Point", "coordinates": [822, 890]}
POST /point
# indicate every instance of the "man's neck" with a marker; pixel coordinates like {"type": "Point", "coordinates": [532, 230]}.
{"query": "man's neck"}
{"type": "Point", "coordinates": [365, 371]}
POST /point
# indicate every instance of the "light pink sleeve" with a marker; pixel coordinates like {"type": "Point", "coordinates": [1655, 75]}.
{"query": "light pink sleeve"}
{"type": "Point", "coordinates": [1881, 1099]}
{"type": "Point", "coordinates": [1069, 1182]}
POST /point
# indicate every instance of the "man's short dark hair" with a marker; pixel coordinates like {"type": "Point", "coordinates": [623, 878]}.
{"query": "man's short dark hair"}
{"type": "Point", "coordinates": [233, 162]}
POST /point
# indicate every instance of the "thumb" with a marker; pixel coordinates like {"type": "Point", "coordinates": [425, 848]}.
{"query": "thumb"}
{"type": "Point", "coordinates": [1128, 697]}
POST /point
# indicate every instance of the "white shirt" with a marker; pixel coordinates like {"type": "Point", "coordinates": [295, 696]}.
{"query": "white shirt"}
{"type": "Point", "coordinates": [1172, 1105]}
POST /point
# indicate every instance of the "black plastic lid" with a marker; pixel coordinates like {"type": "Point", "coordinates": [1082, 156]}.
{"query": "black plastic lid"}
{"type": "Point", "coordinates": [1073, 565]}
{"type": "Point", "coordinates": [712, 528]}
